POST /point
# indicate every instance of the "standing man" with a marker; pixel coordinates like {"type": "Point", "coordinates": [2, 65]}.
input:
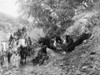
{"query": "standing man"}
{"type": "Point", "coordinates": [1, 58]}
{"type": "Point", "coordinates": [9, 54]}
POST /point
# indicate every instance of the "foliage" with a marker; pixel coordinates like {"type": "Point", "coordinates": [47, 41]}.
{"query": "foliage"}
{"type": "Point", "coordinates": [52, 14]}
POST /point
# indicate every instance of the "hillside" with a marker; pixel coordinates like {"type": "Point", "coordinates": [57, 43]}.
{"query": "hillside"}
{"type": "Point", "coordinates": [83, 60]}
{"type": "Point", "coordinates": [8, 25]}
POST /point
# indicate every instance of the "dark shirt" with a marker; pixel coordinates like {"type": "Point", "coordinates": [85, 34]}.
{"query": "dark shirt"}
{"type": "Point", "coordinates": [58, 39]}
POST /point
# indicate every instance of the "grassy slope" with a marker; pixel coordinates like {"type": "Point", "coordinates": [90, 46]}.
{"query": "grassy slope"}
{"type": "Point", "coordinates": [78, 62]}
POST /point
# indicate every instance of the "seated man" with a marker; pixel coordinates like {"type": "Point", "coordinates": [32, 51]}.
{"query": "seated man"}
{"type": "Point", "coordinates": [59, 40]}
{"type": "Point", "coordinates": [44, 41]}
{"type": "Point", "coordinates": [69, 45]}
{"type": "Point", "coordinates": [69, 40]}
{"type": "Point", "coordinates": [72, 44]}
{"type": "Point", "coordinates": [82, 37]}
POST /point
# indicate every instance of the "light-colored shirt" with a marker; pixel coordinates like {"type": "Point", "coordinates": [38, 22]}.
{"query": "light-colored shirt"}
{"type": "Point", "coordinates": [22, 42]}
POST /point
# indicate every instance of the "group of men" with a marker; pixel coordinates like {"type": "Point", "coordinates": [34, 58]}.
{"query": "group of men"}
{"type": "Point", "coordinates": [20, 46]}
{"type": "Point", "coordinates": [13, 54]}
{"type": "Point", "coordinates": [23, 44]}
{"type": "Point", "coordinates": [58, 44]}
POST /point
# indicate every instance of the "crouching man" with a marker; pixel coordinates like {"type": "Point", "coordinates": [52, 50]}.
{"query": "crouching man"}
{"type": "Point", "coordinates": [42, 55]}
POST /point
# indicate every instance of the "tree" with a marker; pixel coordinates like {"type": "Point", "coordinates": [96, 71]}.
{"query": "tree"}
{"type": "Point", "coordinates": [50, 14]}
